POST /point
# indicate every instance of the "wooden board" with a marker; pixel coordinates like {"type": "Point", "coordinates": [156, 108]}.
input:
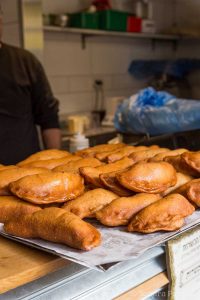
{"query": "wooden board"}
{"type": "Point", "coordinates": [145, 289]}
{"type": "Point", "coordinates": [20, 264]}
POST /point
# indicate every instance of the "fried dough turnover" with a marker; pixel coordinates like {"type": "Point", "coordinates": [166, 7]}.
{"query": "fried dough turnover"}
{"type": "Point", "coordinates": [89, 203]}
{"type": "Point", "coordinates": [146, 154]}
{"type": "Point", "coordinates": [181, 166]}
{"type": "Point", "coordinates": [165, 214]}
{"type": "Point", "coordinates": [91, 175]}
{"type": "Point", "coordinates": [52, 163]}
{"type": "Point", "coordinates": [12, 174]}
{"type": "Point", "coordinates": [13, 207]}
{"type": "Point", "coordinates": [121, 210]}
{"type": "Point", "coordinates": [192, 159]}
{"type": "Point", "coordinates": [181, 180]}
{"type": "Point", "coordinates": [161, 156]}
{"type": "Point", "coordinates": [191, 190]}
{"type": "Point", "coordinates": [92, 151]}
{"type": "Point", "coordinates": [48, 187]}
{"type": "Point", "coordinates": [109, 180]}
{"type": "Point", "coordinates": [73, 166]}
{"type": "Point", "coordinates": [43, 155]}
{"type": "Point", "coordinates": [55, 225]}
{"type": "Point", "coordinates": [2, 167]}
{"type": "Point", "coordinates": [148, 177]}
{"type": "Point", "coordinates": [124, 152]}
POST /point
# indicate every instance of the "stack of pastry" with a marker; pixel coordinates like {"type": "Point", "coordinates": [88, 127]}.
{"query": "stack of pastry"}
{"type": "Point", "coordinates": [146, 189]}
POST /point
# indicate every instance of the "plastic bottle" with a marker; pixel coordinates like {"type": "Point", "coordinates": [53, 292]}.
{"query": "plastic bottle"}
{"type": "Point", "coordinates": [78, 142]}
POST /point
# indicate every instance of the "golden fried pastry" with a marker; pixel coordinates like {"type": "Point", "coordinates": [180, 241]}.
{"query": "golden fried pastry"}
{"type": "Point", "coordinates": [121, 210]}
{"type": "Point", "coordinates": [127, 150]}
{"type": "Point", "coordinates": [91, 175]}
{"type": "Point", "coordinates": [89, 203]}
{"type": "Point", "coordinates": [12, 174]}
{"type": "Point", "coordinates": [48, 187]}
{"type": "Point", "coordinates": [73, 166]}
{"type": "Point", "coordinates": [181, 166]}
{"type": "Point", "coordinates": [110, 156]}
{"type": "Point", "coordinates": [181, 180]}
{"type": "Point", "coordinates": [13, 207]}
{"type": "Point", "coordinates": [165, 214]}
{"type": "Point", "coordinates": [110, 182]}
{"type": "Point", "coordinates": [124, 152]}
{"type": "Point", "coordinates": [55, 225]}
{"type": "Point", "coordinates": [146, 154]}
{"type": "Point", "coordinates": [192, 159]}
{"type": "Point", "coordinates": [52, 163]}
{"type": "Point", "coordinates": [191, 190]}
{"type": "Point", "coordinates": [2, 167]}
{"type": "Point", "coordinates": [148, 177]}
{"type": "Point", "coordinates": [161, 156]}
{"type": "Point", "coordinates": [43, 155]}
{"type": "Point", "coordinates": [92, 151]}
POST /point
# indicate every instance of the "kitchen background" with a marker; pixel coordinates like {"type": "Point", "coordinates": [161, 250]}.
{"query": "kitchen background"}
{"type": "Point", "coordinates": [72, 70]}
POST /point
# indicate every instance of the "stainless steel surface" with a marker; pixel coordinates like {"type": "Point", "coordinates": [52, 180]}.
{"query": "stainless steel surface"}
{"type": "Point", "coordinates": [77, 282]}
{"type": "Point", "coordinates": [32, 33]}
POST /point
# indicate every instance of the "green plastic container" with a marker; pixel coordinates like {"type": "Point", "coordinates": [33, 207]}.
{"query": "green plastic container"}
{"type": "Point", "coordinates": [113, 20]}
{"type": "Point", "coordinates": [85, 20]}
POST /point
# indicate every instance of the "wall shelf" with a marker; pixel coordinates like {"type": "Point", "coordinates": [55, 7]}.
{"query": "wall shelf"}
{"type": "Point", "coordinates": [91, 32]}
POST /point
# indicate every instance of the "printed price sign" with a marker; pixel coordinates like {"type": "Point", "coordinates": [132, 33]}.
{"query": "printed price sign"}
{"type": "Point", "coordinates": [183, 264]}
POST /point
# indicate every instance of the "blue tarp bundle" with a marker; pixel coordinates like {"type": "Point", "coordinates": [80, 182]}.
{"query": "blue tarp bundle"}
{"type": "Point", "coordinates": [154, 113]}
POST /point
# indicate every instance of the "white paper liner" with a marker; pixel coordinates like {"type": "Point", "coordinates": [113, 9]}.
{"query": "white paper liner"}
{"type": "Point", "coordinates": [117, 244]}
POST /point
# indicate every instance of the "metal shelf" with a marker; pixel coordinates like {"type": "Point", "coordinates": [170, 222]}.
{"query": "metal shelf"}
{"type": "Point", "coordinates": [91, 32]}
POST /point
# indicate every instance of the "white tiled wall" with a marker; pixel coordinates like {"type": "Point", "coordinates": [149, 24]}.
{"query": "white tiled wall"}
{"type": "Point", "coordinates": [72, 70]}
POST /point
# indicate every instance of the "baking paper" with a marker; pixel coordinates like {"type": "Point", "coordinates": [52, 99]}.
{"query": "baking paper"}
{"type": "Point", "coordinates": [117, 244]}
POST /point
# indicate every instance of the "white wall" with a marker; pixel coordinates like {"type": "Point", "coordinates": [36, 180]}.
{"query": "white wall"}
{"type": "Point", "coordinates": [11, 31]}
{"type": "Point", "coordinates": [72, 70]}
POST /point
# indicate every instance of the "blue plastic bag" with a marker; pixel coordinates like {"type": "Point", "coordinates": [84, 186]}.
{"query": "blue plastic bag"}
{"type": "Point", "coordinates": [154, 113]}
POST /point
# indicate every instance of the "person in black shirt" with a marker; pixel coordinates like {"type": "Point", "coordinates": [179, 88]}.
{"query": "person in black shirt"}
{"type": "Point", "coordinates": [26, 100]}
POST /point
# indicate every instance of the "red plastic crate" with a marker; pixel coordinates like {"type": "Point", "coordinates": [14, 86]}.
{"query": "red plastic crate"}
{"type": "Point", "coordinates": [134, 24]}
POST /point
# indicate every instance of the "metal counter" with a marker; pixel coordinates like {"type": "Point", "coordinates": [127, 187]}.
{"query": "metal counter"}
{"type": "Point", "coordinates": [78, 282]}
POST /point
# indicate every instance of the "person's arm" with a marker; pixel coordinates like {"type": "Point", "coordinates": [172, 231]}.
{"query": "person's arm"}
{"type": "Point", "coordinates": [51, 138]}
{"type": "Point", "coordinates": [45, 109]}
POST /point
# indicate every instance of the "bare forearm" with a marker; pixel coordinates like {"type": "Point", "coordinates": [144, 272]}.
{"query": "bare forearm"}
{"type": "Point", "coordinates": [51, 138]}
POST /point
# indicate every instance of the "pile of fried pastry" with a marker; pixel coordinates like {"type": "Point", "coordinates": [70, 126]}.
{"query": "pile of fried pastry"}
{"type": "Point", "coordinates": [51, 193]}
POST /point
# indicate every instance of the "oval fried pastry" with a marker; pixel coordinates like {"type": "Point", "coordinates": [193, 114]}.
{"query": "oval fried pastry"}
{"type": "Point", "coordinates": [73, 166]}
{"type": "Point", "coordinates": [148, 177]}
{"type": "Point", "coordinates": [13, 207]}
{"type": "Point", "coordinates": [165, 214]}
{"type": "Point", "coordinates": [192, 159]}
{"type": "Point", "coordinates": [191, 190]}
{"type": "Point", "coordinates": [110, 182]}
{"type": "Point", "coordinates": [181, 166]}
{"type": "Point", "coordinates": [91, 175]}
{"type": "Point", "coordinates": [161, 156]}
{"type": "Point", "coordinates": [43, 155]}
{"type": "Point", "coordinates": [89, 203]}
{"type": "Point", "coordinates": [123, 152]}
{"type": "Point", "coordinates": [121, 210]}
{"type": "Point", "coordinates": [55, 225]}
{"type": "Point", "coordinates": [181, 180]}
{"type": "Point", "coordinates": [12, 174]}
{"type": "Point", "coordinates": [48, 187]}
{"type": "Point", "coordinates": [51, 163]}
{"type": "Point", "coordinates": [92, 151]}
{"type": "Point", "coordinates": [146, 154]}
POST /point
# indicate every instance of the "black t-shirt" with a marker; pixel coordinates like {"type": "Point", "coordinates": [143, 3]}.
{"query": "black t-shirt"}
{"type": "Point", "coordinates": [26, 100]}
